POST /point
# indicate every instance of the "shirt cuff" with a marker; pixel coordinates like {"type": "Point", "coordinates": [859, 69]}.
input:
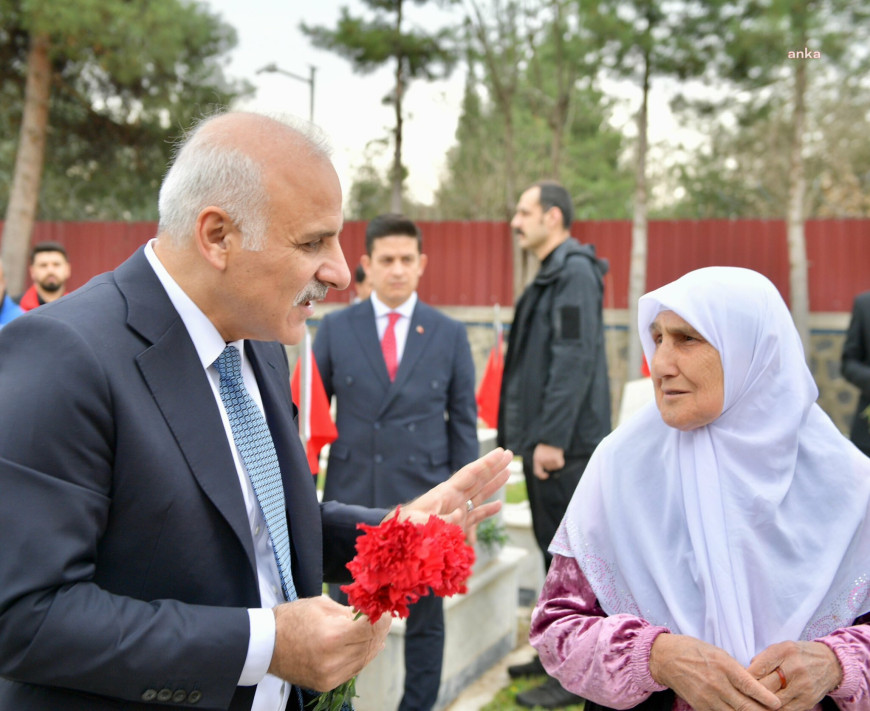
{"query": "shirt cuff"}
{"type": "Point", "coordinates": [639, 665]}
{"type": "Point", "coordinates": [852, 668]}
{"type": "Point", "coordinates": [261, 646]}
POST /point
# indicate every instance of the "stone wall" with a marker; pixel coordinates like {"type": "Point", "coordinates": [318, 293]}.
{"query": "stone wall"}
{"type": "Point", "coordinates": [836, 397]}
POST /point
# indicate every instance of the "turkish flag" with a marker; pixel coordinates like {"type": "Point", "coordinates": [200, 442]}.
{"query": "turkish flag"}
{"type": "Point", "coordinates": [644, 367]}
{"type": "Point", "coordinates": [315, 422]}
{"type": "Point", "coordinates": [489, 392]}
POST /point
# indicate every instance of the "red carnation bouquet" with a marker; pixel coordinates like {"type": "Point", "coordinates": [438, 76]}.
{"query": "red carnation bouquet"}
{"type": "Point", "coordinates": [397, 563]}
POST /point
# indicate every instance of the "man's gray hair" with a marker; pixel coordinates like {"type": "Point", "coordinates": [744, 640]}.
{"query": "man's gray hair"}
{"type": "Point", "coordinates": [207, 170]}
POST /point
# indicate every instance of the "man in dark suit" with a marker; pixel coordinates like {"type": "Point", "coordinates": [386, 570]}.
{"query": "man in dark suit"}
{"type": "Point", "coordinates": [139, 565]}
{"type": "Point", "coordinates": [400, 432]}
{"type": "Point", "coordinates": [856, 368]}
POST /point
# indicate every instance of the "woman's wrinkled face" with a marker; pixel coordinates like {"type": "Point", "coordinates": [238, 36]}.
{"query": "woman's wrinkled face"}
{"type": "Point", "coordinates": [687, 374]}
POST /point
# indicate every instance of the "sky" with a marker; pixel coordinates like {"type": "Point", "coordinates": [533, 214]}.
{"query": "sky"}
{"type": "Point", "coordinates": [347, 106]}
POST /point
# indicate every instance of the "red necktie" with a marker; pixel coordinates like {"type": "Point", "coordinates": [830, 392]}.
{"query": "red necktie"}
{"type": "Point", "coordinates": [388, 346]}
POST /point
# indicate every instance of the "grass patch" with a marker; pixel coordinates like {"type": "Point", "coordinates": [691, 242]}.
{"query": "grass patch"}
{"type": "Point", "coordinates": [516, 493]}
{"type": "Point", "coordinates": [506, 699]}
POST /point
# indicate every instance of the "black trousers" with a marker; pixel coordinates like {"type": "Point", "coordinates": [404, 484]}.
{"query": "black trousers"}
{"type": "Point", "coordinates": [549, 498]}
{"type": "Point", "coordinates": [424, 650]}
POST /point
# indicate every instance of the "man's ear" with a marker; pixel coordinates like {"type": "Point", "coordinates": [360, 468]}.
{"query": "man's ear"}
{"type": "Point", "coordinates": [424, 260]}
{"type": "Point", "coordinates": [366, 262]}
{"type": "Point", "coordinates": [216, 236]}
{"type": "Point", "coordinates": [554, 218]}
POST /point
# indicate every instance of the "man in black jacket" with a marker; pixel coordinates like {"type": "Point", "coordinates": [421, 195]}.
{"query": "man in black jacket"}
{"type": "Point", "coordinates": [856, 367]}
{"type": "Point", "coordinates": [555, 397]}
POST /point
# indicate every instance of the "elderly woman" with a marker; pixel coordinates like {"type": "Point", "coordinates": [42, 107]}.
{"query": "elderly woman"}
{"type": "Point", "coordinates": [716, 554]}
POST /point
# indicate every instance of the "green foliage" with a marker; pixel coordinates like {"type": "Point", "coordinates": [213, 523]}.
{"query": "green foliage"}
{"type": "Point", "coordinates": [491, 534]}
{"type": "Point", "coordinates": [128, 79]}
{"type": "Point", "coordinates": [742, 172]}
{"type": "Point", "coordinates": [336, 699]}
{"type": "Point", "coordinates": [669, 38]}
{"type": "Point", "coordinates": [369, 195]}
{"type": "Point", "coordinates": [744, 169]}
{"type": "Point", "coordinates": [516, 493]}
{"type": "Point", "coordinates": [530, 111]}
{"type": "Point", "coordinates": [371, 42]}
{"type": "Point", "coordinates": [506, 699]}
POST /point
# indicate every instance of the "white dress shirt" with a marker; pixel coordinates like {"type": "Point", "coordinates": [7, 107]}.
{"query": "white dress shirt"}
{"type": "Point", "coordinates": [382, 320]}
{"type": "Point", "coordinates": [272, 692]}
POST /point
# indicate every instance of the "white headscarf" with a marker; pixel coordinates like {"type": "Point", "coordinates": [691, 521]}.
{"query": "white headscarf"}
{"type": "Point", "coordinates": [750, 530]}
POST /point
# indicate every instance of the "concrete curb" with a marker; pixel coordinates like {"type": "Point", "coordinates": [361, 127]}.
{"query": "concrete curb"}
{"type": "Point", "coordinates": [482, 691]}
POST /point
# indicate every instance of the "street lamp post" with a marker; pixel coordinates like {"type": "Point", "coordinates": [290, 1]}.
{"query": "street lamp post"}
{"type": "Point", "coordinates": [275, 69]}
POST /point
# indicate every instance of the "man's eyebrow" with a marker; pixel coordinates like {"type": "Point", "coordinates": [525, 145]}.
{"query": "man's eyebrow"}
{"type": "Point", "coordinates": [322, 234]}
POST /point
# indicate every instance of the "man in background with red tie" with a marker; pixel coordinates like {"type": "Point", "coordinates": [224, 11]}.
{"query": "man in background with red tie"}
{"type": "Point", "coordinates": [403, 379]}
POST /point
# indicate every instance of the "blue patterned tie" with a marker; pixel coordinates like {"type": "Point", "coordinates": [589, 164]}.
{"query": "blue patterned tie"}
{"type": "Point", "coordinates": [254, 442]}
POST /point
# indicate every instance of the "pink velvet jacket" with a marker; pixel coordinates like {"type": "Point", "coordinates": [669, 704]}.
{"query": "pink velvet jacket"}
{"type": "Point", "coordinates": [606, 659]}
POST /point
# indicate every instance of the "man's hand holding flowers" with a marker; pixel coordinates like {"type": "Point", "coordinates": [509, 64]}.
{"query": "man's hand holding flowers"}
{"type": "Point", "coordinates": [350, 644]}
{"type": "Point", "coordinates": [419, 549]}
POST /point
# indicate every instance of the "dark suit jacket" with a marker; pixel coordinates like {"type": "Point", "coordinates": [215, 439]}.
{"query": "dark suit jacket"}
{"type": "Point", "coordinates": [394, 441]}
{"type": "Point", "coordinates": [856, 366]}
{"type": "Point", "coordinates": [127, 564]}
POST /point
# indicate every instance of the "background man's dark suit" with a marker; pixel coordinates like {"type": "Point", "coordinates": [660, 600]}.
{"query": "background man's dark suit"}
{"type": "Point", "coordinates": [393, 440]}
{"type": "Point", "coordinates": [144, 587]}
{"type": "Point", "coordinates": [856, 367]}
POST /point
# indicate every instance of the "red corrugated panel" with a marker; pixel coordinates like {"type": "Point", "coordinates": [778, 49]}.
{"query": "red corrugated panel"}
{"type": "Point", "coordinates": [677, 247]}
{"type": "Point", "coordinates": [838, 252]}
{"type": "Point", "coordinates": [612, 241]}
{"type": "Point", "coordinates": [94, 247]}
{"type": "Point", "coordinates": [470, 262]}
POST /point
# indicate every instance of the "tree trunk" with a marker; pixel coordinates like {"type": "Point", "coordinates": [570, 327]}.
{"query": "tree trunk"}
{"type": "Point", "coordinates": [797, 250]}
{"type": "Point", "coordinates": [29, 160]}
{"type": "Point", "coordinates": [511, 196]}
{"type": "Point", "coordinates": [637, 268]}
{"type": "Point", "coordinates": [396, 173]}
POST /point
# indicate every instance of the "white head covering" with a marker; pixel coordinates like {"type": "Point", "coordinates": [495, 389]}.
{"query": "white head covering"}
{"type": "Point", "coordinates": [750, 530]}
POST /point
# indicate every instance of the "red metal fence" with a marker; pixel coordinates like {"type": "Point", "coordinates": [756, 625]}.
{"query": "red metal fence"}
{"type": "Point", "coordinates": [470, 262]}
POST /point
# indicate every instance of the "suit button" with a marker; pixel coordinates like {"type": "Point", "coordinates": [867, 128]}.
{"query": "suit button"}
{"type": "Point", "coordinates": [379, 458]}
{"type": "Point", "coordinates": [412, 427]}
{"type": "Point", "coordinates": [194, 696]}
{"type": "Point", "coordinates": [164, 695]}
{"type": "Point", "coordinates": [434, 384]}
{"type": "Point", "coordinates": [349, 380]}
{"type": "Point", "coordinates": [377, 425]}
{"type": "Point", "coordinates": [412, 459]}
{"type": "Point", "coordinates": [149, 695]}
{"type": "Point", "coordinates": [179, 697]}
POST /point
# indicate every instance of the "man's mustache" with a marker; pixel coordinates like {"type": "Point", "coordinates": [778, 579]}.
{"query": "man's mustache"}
{"type": "Point", "coordinates": [316, 291]}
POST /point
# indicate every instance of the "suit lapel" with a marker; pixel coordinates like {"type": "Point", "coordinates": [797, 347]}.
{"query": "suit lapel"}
{"type": "Point", "coordinates": [366, 331]}
{"type": "Point", "coordinates": [181, 391]}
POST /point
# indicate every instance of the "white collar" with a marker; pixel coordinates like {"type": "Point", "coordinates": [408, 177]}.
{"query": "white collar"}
{"type": "Point", "coordinates": [206, 338]}
{"type": "Point", "coordinates": [406, 308]}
